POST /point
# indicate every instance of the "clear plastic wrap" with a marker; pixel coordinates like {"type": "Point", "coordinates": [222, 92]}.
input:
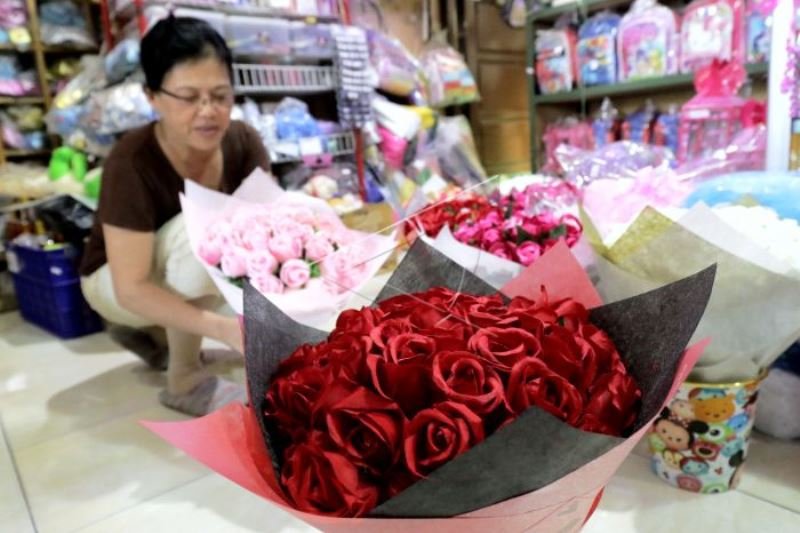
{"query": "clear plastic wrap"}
{"type": "Point", "coordinates": [450, 81]}
{"type": "Point", "coordinates": [398, 71]}
{"type": "Point", "coordinates": [62, 22]}
{"type": "Point", "coordinates": [458, 155]}
{"type": "Point", "coordinates": [118, 109]}
{"type": "Point", "coordinates": [617, 160]}
{"type": "Point", "coordinates": [122, 60]}
{"type": "Point", "coordinates": [91, 78]}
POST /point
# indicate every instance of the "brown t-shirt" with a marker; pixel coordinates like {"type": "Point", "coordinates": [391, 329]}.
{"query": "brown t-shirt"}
{"type": "Point", "coordinates": [140, 187]}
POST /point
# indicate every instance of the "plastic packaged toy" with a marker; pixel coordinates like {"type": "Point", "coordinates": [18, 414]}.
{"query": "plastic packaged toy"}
{"type": "Point", "coordinates": [712, 29]}
{"type": "Point", "coordinates": [711, 119]}
{"type": "Point", "coordinates": [648, 41]}
{"type": "Point", "coordinates": [637, 127]}
{"type": "Point", "coordinates": [556, 67]}
{"type": "Point", "coordinates": [759, 31]}
{"type": "Point", "coordinates": [665, 129]}
{"type": "Point", "coordinates": [597, 49]}
{"type": "Point", "coordinates": [605, 126]}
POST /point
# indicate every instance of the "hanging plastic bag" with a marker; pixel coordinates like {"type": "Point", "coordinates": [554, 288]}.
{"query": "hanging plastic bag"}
{"type": "Point", "coordinates": [450, 81]}
{"type": "Point", "coordinates": [514, 13]}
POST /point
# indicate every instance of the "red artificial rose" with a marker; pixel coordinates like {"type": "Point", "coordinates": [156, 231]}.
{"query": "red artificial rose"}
{"type": "Point", "coordinates": [612, 405]}
{"type": "Point", "coordinates": [321, 481]}
{"type": "Point", "coordinates": [304, 356]}
{"type": "Point", "coordinates": [439, 434]}
{"type": "Point", "coordinates": [562, 355]}
{"type": "Point", "coordinates": [532, 383]}
{"type": "Point", "coordinates": [367, 429]}
{"type": "Point", "coordinates": [346, 356]}
{"type": "Point", "coordinates": [504, 347]}
{"type": "Point", "coordinates": [450, 335]}
{"type": "Point", "coordinates": [357, 322]}
{"type": "Point", "coordinates": [408, 385]}
{"type": "Point", "coordinates": [490, 312]}
{"type": "Point", "coordinates": [409, 347]}
{"type": "Point", "coordinates": [382, 333]}
{"type": "Point", "coordinates": [465, 378]}
{"type": "Point", "coordinates": [291, 399]}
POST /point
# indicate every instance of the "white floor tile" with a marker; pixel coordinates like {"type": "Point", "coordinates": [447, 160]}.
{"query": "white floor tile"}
{"type": "Point", "coordinates": [772, 472]}
{"type": "Point", "coordinates": [13, 511]}
{"type": "Point", "coordinates": [636, 501]}
{"type": "Point", "coordinates": [211, 505]}
{"type": "Point", "coordinates": [82, 477]}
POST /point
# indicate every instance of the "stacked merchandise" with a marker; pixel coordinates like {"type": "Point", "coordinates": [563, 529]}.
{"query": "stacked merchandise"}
{"type": "Point", "coordinates": [650, 40]}
{"type": "Point", "coordinates": [14, 25]}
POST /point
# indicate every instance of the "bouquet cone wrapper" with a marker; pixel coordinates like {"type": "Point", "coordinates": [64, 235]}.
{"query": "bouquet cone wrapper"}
{"type": "Point", "coordinates": [535, 474]}
{"type": "Point", "coordinates": [313, 305]}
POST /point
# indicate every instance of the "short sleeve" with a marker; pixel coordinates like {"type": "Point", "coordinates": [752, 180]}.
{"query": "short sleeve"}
{"type": "Point", "coordinates": [126, 200]}
{"type": "Point", "coordinates": [255, 154]}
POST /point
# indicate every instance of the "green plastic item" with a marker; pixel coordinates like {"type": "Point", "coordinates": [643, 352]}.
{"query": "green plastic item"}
{"type": "Point", "coordinates": [91, 184]}
{"type": "Point", "coordinates": [66, 160]}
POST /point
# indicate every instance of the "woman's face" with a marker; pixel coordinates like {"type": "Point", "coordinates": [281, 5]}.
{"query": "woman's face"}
{"type": "Point", "coordinates": [195, 102]}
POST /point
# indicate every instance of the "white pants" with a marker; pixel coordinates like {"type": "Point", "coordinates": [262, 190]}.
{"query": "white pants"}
{"type": "Point", "coordinates": [174, 267]}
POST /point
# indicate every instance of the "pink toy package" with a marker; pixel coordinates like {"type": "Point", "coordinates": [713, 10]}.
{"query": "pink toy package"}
{"type": "Point", "coordinates": [570, 131]}
{"type": "Point", "coordinates": [556, 64]}
{"type": "Point", "coordinates": [648, 42]}
{"type": "Point", "coordinates": [712, 29]}
{"type": "Point", "coordinates": [711, 119]}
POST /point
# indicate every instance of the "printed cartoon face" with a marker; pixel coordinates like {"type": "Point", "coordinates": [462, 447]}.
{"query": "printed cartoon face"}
{"type": "Point", "coordinates": [682, 409]}
{"type": "Point", "coordinates": [713, 410]}
{"type": "Point", "coordinates": [672, 459]}
{"type": "Point", "coordinates": [719, 433]}
{"type": "Point", "coordinates": [694, 466]}
{"type": "Point", "coordinates": [690, 483]}
{"type": "Point", "coordinates": [706, 450]}
{"type": "Point", "coordinates": [675, 436]}
{"type": "Point", "coordinates": [732, 448]}
{"type": "Point", "coordinates": [656, 444]}
{"type": "Point", "coordinates": [739, 422]}
{"type": "Point", "coordinates": [716, 488]}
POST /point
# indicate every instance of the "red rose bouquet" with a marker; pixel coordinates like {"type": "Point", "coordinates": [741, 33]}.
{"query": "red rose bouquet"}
{"type": "Point", "coordinates": [447, 406]}
{"type": "Point", "coordinates": [519, 226]}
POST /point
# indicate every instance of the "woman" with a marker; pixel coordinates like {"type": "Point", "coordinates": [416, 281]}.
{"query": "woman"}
{"type": "Point", "coordinates": [138, 269]}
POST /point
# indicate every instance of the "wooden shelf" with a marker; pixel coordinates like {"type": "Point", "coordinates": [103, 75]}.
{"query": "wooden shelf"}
{"type": "Point", "coordinates": [584, 6]}
{"type": "Point", "coordinates": [70, 49]}
{"type": "Point", "coordinates": [27, 153]}
{"type": "Point", "coordinates": [641, 86]}
{"type": "Point", "coordinates": [21, 100]}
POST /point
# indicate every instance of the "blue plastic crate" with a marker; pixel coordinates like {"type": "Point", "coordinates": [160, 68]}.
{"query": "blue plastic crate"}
{"type": "Point", "coordinates": [49, 292]}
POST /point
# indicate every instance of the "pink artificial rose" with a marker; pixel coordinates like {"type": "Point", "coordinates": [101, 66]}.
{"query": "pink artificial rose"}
{"type": "Point", "coordinates": [267, 284]}
{"type": "Point", "coordinates": [210, 252]}
{"type": "Point", "coordinates": [467, 233]}
{"type": "Point", "coordinates": [491, 237]}
{"type": "Point", "coordinates": [295, 273]}
{"type": "Point", "coordinates": [261, 262]}
{"type": "Point", "coordinates": [503, 250]}
{"type": "Point", "coordinates": [303, 215]}
{"type": "Point", "coordinates": [234, 262]}
{"type": "Point", "coordinates": [328, 223]}
{"type": "Point", "coordinates": [318, 247]}
{"type": "Point", "coordinates": [256, 239]}
{"type": "Point", "coordinates": [528, 252]}
{"type": "Point", "coordinates": [285, 247]}
{"type": "Point", "coordinates": [294, 229]}
{"type": "Point", "coordinates": [341, 272]}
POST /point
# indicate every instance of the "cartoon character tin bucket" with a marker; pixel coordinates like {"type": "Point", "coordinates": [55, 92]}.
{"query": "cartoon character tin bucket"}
{"type": "Point", "coordinates": [700, 441]}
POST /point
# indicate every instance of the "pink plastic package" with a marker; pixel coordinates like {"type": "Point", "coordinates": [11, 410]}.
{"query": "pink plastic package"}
{"type": "Point", "coordinates": [712, 29]}
{"type": "Point", "coordinates": [571, 132]}
{"type": "Point", "coordinates": [556, 62]}
{"type": "Point", "coordinates": [648, 43]}
{"type": "Point", "coordinates": [711, 119]}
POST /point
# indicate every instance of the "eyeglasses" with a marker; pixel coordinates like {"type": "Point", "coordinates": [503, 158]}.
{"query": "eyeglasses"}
{"type": "Point", "coordinates": [219, 100]}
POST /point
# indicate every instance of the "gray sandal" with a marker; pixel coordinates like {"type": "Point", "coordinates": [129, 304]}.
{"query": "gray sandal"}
{"type": "Point", "coordinates": [210, 395]}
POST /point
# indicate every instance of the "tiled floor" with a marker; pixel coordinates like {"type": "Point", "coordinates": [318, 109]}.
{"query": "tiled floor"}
{"type": "Point", "coordinates": [73, 458]}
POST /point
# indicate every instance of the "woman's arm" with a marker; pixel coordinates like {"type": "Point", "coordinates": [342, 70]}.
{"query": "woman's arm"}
{"type": "Point", "coordinates": [130, 256]}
